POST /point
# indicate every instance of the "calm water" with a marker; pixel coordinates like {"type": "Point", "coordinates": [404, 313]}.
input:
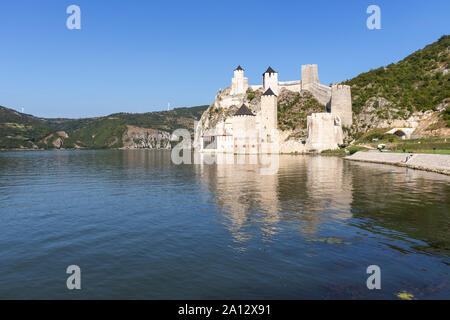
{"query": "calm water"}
{"type": "Point", "coordinates": [141, 227]}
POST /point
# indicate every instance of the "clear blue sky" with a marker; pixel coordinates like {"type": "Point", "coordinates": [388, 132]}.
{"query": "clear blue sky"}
{"type": "Point", "coordinates": [135, 56]}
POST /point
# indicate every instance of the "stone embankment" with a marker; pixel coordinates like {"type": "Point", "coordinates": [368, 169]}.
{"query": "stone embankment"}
{"type": "Point", "coordinates": [439, 163]}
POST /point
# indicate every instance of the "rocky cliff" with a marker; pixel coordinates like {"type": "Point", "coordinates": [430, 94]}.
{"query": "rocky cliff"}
{"type": "Point", "coordinates": [142, 138]}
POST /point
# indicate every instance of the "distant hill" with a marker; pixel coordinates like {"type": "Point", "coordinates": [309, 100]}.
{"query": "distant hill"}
{"type": "Point", "coordinates": [22, 131]}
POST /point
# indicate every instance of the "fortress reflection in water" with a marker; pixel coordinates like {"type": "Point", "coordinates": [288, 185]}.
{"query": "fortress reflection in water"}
{"type": "Point", "coordinates": [314, 193]}
{"type": "Point", "coordinates": [253, 203]}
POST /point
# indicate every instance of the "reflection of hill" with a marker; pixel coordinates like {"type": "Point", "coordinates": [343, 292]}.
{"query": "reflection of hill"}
{"type": "Point", "coordinates": [399, 202]}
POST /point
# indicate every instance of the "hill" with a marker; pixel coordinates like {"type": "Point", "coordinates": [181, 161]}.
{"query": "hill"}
{"type": "Point", "coordinates": [417, 85]}
{"type": "Point", "coordinates": [22, 131]}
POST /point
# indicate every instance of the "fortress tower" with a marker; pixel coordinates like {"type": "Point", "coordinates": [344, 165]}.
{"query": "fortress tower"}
{"type": "Point", "coordinates": [269, 113]}
{"type": "Point", "coordinates": [270, 80]}
{"type": "Point", "coordinates": [239, 84]}
{"type": "Point", "coordinates": [341, 103]}
{"type": "Point", "coordinates": [245, 135]}
{"type": "Point", "coordinates": [310, 76]}
{"type": "Point", "coordinates": [269, 123]}
{"type": "Point", "coordinates": [324, 131]}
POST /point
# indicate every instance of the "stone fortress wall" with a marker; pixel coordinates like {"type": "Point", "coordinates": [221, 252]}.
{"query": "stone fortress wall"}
{"type": "Point", "coordinates": [337, 98]}
{"type": "Point", "coordinates": [324, 129]}
{"type": "Point", "coordinates": [295, 86]}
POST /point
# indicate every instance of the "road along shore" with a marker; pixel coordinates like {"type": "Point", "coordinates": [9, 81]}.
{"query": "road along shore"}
{"type": "Point", "coordinates": [439, 163]}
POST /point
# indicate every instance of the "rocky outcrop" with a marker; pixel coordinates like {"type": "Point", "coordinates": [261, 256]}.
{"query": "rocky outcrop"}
{"type": "Point", "coordinates": [379, 112]}
{"type": "Point", "coordinates": [56, 140]}
{"type": "Point", "coordinates": [291, 144]}
{"type": "Point", "coordinates": [144, 138]}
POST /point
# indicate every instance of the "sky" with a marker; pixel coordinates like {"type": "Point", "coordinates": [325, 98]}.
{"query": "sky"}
{"type": "Point", "coordinates": [137, 56]}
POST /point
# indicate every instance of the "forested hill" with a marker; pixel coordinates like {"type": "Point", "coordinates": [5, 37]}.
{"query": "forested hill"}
{"type": "Point", "coordinates": [419, 82]}
{"type": "Point", "coordinates": [22, 131]}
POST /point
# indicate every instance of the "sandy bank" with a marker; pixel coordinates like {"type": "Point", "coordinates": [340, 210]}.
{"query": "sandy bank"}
{"type": "Point", "coordinates": [439, 163]}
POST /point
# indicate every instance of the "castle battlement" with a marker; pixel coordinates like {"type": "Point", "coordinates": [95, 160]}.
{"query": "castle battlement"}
{"type": "Point", "coordinates": [340, 87]}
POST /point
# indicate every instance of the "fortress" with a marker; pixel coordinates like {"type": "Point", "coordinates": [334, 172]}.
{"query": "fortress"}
{"type": "Point", "coordinates": [254, 129]}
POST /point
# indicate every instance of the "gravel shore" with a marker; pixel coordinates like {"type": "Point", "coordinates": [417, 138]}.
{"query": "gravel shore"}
{"type": "Point", "coordinates": [439, 163]}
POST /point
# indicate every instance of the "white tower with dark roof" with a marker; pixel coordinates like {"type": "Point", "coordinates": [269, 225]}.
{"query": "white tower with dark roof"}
{"type": "Point", "coordinates": [269, 135]}
{"type": "Point", "coordinates": [239, 83]}
{"type": "Point", "coordinates": [269, 112]}
{"type": "Point", "coordinates": [270, 80]}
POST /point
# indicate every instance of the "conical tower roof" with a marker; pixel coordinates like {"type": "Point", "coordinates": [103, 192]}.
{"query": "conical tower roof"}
{"type": "Point", "coordinates": [269, 92]}
{"type": "Point", "coordinates": [269, 70]}
{"type": "Point", "coordinates": [244, 111]}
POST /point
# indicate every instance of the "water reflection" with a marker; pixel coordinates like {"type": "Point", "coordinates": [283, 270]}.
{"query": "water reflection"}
{"type": "Point", "coordinates": [314, 193]}
{"type": "Point", "coordinates": [144, 227]}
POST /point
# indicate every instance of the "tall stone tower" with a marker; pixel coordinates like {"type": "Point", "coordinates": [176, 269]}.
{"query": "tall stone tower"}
{"type": "Point", "coordinates": [270, 80]}
{"type": "Point", "coordinates": [310, 76]}
{"type": "Point", "coordinates": [269, 112]}
{"type": "Point", "coordinates": [341, 104]}
{"type": "Point", "coordinates": [324, 131]}
{"type": "Point", "coordinates": [239, 83]}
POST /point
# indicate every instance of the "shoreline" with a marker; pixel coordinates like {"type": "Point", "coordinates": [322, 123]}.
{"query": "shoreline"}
{"type": "Point", "coordinates": [438, 163]}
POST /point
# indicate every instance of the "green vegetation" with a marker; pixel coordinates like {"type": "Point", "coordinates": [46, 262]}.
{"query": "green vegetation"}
{"type": "Point", "coordinates": [334, 152]}
{"type": "Point", "coordinates": [354, 149]}
{"type": "Point", "coordinates": [293, 109]}
{"type": "Point", "coordinates": [250, 94]}
{"type": "Point", "coordinates": [344, 151]}
{"type": "Point", "coordinates": [446, 116]}
{"type": "Point", "coordinates": [19, 130]}
{"type": "Point", "coordinates": [415, 83]}
{"type": "Point", "coordinates": [101, 134]}
{"type": "Point", "coordinates": [433, 151]}
{"type": "Point", "coordinates": [378, 134]}
{"type": "Point", "coordinates": [397, 144]}
{"type": "Point", "coordinates": [430, 145]}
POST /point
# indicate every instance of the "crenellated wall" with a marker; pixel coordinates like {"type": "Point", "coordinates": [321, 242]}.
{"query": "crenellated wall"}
{"type": "Point", "coordinates": [294, 86]}
{"type": "Point", "coordinates": [321, 92]}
